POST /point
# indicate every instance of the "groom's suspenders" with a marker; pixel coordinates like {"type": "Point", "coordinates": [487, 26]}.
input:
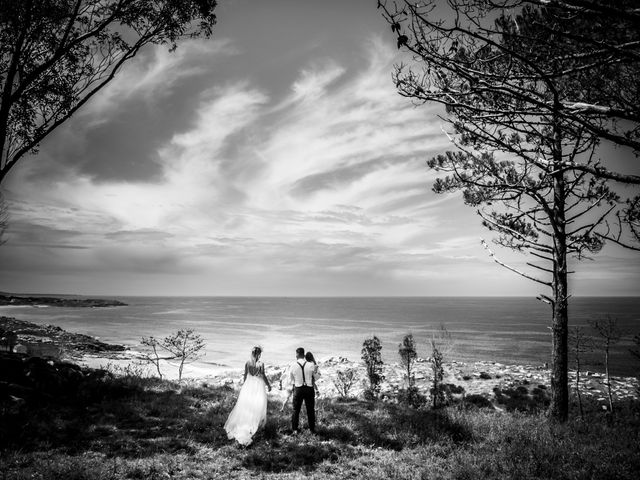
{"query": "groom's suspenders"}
{"type": "Point", "coordinates": [304, 381]}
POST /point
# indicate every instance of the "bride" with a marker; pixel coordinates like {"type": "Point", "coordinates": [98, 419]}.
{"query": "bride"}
{"type": "Point", "coordinates": [250, 412]}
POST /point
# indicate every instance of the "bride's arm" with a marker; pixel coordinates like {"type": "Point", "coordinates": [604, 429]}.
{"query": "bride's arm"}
{"type": "Point", "coordinates": [316, 374]}
{"type": "Point", "coordinates": [264, 376]}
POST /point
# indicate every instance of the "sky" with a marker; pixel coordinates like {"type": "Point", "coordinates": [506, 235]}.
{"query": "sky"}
{"type": "Point", "coordinates": [275, 158]}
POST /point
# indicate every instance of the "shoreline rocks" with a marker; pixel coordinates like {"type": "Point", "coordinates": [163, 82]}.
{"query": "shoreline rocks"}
{"type": "Point", "coordinates": [73, 302]}
{"type": "Point", "coordinates": [499, 384]}
{"type": "Point", "coordinates": [49, 341]}
{"type": "Point", "coordinates": [481, 378]}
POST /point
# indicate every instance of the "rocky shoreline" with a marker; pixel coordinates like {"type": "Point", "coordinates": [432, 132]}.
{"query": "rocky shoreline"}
{"type": "Point", "coordinates": [498, 384]}
{"type": "Point", "coordinates": [73, 302]}
{"type": "Point", "coordinates": [50, 341]}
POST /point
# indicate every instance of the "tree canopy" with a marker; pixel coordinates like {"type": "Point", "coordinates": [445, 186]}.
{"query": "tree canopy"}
{"type": "Point", "coordinates": [56, 54]}
{"type": "Point", "coordinates": [580, 59]}
{"type": "Point", "coordinates": [531, 90]}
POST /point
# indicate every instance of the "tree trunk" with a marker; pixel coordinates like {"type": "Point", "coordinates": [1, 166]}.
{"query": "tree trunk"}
{"type": "Point", "coordinates": [180, 369]}
{"type": "Point", "coordinates": [578, 346]}
{"type": "Point", "coordinates": [606, 370]}
{"type": "Point", "coordinates": [559, 409]}
{"type": "Point", "coordinates": [157, 361]}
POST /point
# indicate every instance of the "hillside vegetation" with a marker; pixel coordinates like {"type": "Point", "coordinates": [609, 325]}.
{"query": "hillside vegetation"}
{"type": "Point", "coordinates": [95, 424]}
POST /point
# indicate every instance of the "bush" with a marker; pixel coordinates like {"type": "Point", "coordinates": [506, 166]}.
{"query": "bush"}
{"type": "Point", "coordinates": [408, 354]}
{"type": "Point", "coordinates": [411, 396]}
{"type": "Point", "coordinates": [185, 346]}
{"type": "Point", "coordinates": [344, 381]}
{"type": "Point", "coordinates": [437, 366]}
{"type": "Point", "coordinates": [518, 398]}
{"type": "Point", "coordinates": [479, 401]}
{"type": "Point", "coordinates": [372, 356]}
{"type": "Point", "coordinates": [370, 395]}
{"type": "Point", "coordinates": [455, 389]}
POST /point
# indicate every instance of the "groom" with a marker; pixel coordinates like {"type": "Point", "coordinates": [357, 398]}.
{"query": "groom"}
{"type": "Point", "coordinates": [302, 373]}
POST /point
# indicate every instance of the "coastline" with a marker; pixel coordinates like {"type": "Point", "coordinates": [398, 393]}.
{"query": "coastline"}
{"type": "Point", "coordinates": [484, 378]}
{"type": "Point", "coordinates": [509, 331]}
{"type": "Point", "coordinates": [487, 379]}
{"type": "Point", "coordinates": [7, 299]}
{"type": "Point", "coordinates": [61, 421]}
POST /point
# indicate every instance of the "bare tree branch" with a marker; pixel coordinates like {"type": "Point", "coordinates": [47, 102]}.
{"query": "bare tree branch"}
{"type": "Point", "coordinates": [515, 270]}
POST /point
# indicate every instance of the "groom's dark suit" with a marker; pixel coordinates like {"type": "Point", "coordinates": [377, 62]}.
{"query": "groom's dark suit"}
{"type": "Point", "coordinates": [302, 375]}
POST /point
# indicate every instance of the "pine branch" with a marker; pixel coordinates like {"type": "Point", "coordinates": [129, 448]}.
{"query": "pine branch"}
{"type": "Point", "coordinates": [495, 259]}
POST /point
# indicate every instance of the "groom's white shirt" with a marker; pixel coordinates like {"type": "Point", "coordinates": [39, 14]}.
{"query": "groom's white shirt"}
{"type": "Point", "coordinates": [295, 370]}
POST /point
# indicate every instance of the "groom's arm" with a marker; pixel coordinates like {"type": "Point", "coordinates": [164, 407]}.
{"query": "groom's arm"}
{"type": "Point", "coordinates": [285, 376]}
{"type": "Point", "coordinates": [292, 378]}
{"type": "Point", "coordinates": [314, 377]}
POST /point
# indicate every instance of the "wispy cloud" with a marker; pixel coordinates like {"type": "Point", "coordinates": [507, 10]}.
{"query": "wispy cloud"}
{"type": "Point", "coordinates": [322, 186]}
{"type": "Point", "coordinates": [322, 181]}
{"type": "Point", "coordinates": [155, 73]}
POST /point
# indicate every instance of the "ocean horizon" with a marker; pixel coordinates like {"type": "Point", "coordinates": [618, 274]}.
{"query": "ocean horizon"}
{"type": "Point", "coordinates": [509, 329]}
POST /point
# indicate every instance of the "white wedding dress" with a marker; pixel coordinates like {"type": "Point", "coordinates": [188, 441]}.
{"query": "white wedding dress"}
{"type": "Point", "coordinates": [250, 411]}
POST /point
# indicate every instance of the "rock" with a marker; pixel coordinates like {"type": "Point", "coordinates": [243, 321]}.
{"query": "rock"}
{"type": "Point", "coordinates": [48, 341]}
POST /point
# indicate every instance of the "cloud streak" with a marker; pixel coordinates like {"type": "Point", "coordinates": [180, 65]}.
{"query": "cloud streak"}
{"type": "Point", "coordinates": [321, 188]}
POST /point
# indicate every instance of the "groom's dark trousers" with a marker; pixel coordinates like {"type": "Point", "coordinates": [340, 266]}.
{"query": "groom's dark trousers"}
{"type": "Point", "coordinates": [306, 394]}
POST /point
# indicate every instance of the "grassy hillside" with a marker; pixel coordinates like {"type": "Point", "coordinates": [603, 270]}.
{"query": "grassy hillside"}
{"type": "Point", "coordinates": [104, 426]}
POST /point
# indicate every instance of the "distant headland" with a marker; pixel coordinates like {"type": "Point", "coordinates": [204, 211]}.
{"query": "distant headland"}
{"type": "Point", "coordinates": [59, 301]}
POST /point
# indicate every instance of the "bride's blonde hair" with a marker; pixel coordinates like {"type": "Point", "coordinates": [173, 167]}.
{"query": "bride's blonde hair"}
{"type": "Point", "coordinates": [256, 352]}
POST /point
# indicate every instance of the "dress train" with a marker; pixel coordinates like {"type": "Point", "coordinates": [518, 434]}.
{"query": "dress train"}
{"type": "Point", "coordinates": [250, 411]}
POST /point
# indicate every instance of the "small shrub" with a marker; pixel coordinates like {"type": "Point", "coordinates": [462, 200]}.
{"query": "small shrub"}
{"type": "Point", "coordinates": [372, 356]}
{"type": "Point", "coordinates": [185, 346]}
{"type": "Point", "coordinates": [411, 396]}
{"type": "Point", "coordinates": [610, 334]}
{"type": "Point", "coordinates": [519, 399]}
{"type": "Point", "coordinates": [440, 342]}
{"type": "Point", "coordinates": [455, 389]}
{"type": "Point", "coordinates": [485, 376]}
{"type": "Point", "coordinates": [344, 381]}
{"type": "Point", "coordinates": [437, 367]}
{"type": "Point", "coordinates": [370, 395]}
{"type": "Point", "coordinates": [580, 344]}
{"type": "Point", "coordinates": [479, 401]}
{"type": "Point", "coordinates": [443, 395]}
{"type": "Point", "coordinates": [408, 354]}
{"type": "Point", "coordinates": [540, 395]}
{"type": "Point", "coordinates": [133, 369]}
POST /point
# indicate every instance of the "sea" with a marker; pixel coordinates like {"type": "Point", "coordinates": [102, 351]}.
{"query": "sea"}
{"type": "Point", "coordinates": [508, 330]}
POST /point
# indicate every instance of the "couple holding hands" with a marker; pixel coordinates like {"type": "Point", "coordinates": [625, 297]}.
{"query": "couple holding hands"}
{"type": "Point", "coordinates": [250, 411]}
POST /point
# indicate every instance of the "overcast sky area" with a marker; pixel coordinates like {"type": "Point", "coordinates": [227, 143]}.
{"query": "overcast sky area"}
{"type": "Point", "coordinates": [274, 159]}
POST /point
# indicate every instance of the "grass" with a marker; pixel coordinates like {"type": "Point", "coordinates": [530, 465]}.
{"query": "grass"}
{"type": "Point", "coordinates": [126, 427]}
